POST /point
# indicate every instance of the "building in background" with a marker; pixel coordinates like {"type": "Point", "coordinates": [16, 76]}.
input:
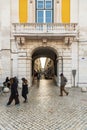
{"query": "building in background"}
{"type": "Point", "coordinates": [30, 29]}
{"type": "Point", "coordinates": [49, 69]}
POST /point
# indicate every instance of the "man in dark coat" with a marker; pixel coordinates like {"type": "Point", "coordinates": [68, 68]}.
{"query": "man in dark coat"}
{"type": "Point", "coordinates": [24, 89]}
{"type": "Point", "coordinates": [38, 76]}
{"type": "Point", "coordinates": [14, 92]}
{"type": "Point", "coordinates": [62, 84]}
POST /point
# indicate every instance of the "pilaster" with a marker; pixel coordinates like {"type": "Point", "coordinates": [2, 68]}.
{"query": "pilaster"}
{"type": "Point", "coordinates": [75, 62]}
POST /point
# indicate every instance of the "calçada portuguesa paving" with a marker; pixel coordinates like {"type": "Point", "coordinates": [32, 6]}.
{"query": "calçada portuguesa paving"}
{"type": "Point", "coordinates": [45, 109]}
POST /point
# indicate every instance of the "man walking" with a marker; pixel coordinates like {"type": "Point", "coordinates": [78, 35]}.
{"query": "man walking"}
{"type": "Point", "coordinates": [62, 85]}
{"type": "Point", "coordinates": [14, 92]}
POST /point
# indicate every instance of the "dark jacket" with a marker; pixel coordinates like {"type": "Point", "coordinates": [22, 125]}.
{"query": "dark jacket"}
{"type": "Point", "coordinates": [38, 76]}
{"type": "Point", "coordinates": [14, 91]}
{"type": "Point", "coordinates": [63, 81]}
{"type": "Point", "coordinates": [24, 89]}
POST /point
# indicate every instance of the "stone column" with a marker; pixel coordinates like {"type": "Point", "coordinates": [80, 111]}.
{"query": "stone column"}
{"type": "Point", "coordinates": [29, 70]}
{"type": "Point", "coordinates": [59, 69]}
{"type": "Point", "coordinates": [75, 61]}
{"type": "Point", "coordinates": [57, 73]}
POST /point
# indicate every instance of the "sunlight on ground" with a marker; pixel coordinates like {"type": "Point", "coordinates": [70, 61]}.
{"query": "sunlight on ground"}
{"type": "Point", "coordinates": [43, 60]}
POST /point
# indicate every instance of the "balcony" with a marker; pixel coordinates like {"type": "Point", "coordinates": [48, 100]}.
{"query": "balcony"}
{"type": "Point", "coordinates": [34, 30]}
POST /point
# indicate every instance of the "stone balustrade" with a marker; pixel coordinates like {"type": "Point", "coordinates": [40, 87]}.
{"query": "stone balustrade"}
{"type": "Point", "coordinates": [55, 29]}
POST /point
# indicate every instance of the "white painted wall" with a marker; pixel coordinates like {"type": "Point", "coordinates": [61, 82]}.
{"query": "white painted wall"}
{"type": "Point", "coordinates": [74, 8]}
{"type": "Point", "coordinates": [14, 11]}
{"type": "Point", "coordinates": [5, 38]}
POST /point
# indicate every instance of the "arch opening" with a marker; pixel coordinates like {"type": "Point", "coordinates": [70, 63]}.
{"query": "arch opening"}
{"type": "Point", "coordinates": [50, 68]}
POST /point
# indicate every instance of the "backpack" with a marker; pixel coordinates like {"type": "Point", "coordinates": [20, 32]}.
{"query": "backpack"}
{"type": "Point", "coordinates": [65, 79]}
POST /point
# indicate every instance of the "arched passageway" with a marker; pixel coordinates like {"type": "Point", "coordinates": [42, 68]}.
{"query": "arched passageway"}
{"type": "Point", "coordinates": [49, 53]}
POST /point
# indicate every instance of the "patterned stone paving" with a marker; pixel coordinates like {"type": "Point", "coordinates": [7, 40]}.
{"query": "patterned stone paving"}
{"type": "Point", "coordinates": [45, 110]}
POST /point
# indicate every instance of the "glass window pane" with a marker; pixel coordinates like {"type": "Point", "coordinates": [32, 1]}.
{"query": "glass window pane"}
{"type": "Point", "coordinates": [48, 16]}
{"type": "Point", "coordinates": [40, 20]}
{"type": "Point", "coordinates": [48, 13]}
{"type": "Point", "coordinates": [40, 13]}
{"type": "Point", "coordinates": [40, 16]}
{"type": "Point", "coordinates": [40, 4]}
{"type": "Point", "coordinates": [48, 4]}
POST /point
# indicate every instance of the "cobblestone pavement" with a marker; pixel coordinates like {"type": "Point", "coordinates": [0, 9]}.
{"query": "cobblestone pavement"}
{"type": "Point", "coordinates": [45, 110]}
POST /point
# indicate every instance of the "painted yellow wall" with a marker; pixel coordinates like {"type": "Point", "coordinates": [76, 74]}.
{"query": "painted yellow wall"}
{"type": "Point", "coordinates": [66, 11]}
{"type": "Point", "coordinates": [23, 11]}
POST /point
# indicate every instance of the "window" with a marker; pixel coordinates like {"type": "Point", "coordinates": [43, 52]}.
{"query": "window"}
{"type": "Point", "coordinates": [44, 11]}
{"type": "Point", "coordinates": [40, 16]}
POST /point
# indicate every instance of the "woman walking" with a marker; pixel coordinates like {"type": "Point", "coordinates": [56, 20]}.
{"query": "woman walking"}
{"type": "Point", "coordinates": [24, 89]}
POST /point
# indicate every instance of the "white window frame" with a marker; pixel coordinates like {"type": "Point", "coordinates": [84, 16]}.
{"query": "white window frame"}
{"type": "Point", "coordinates": [44, 10]}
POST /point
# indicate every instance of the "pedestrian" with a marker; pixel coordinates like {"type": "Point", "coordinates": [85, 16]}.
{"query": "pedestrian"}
{"type": "Point", "coordinates": [7, 82]}
{"type": "Point", "coordinates": [38, 76]}
{"type": "Point", "coordinates": [63, 82]}
{"type": "Point", "coordinates": [24, 89]}
{"type": "Point", "coordinates": [16, 80]}
{"type": "Point", "coordinates": [38, 79]}
{"type": "Point", "coordinates": [14, 92]}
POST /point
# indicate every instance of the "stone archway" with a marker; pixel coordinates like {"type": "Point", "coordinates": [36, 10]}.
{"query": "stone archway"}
{"type": "Point", "coordinates": [48, 51]}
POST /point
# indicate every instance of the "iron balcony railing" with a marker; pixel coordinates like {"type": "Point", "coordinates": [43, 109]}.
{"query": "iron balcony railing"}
{"type": "Point", "coordinates": [60, 29]}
